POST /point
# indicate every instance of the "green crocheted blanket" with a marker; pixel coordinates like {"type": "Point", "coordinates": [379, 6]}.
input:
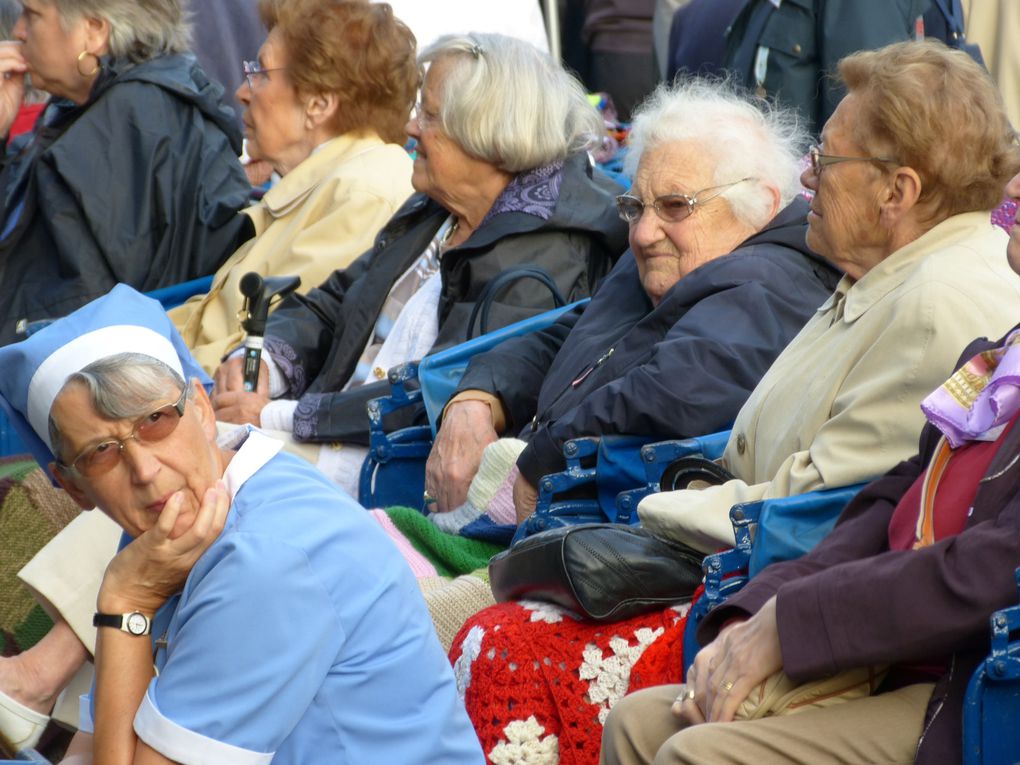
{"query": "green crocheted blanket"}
{"type": "Point", "coordinates": [452, 555]}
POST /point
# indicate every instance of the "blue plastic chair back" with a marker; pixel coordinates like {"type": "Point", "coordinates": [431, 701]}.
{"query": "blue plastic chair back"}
{"type": "Point", "coordinates": [615, 465]}
{"type": "Point", "coordinates": [440, 373]}
{"type": "Point", "coordinates": [788, 528]}
{"type": "Point", "coordinates": [992, 706]}
{"type": "Point", "coordinates": [10, 441]}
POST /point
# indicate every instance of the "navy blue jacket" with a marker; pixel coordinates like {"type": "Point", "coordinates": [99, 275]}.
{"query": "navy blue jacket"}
{"type": "Point", "coordinates": [139, 185]}
{"type": "Point", "coordinates": [682, 368]}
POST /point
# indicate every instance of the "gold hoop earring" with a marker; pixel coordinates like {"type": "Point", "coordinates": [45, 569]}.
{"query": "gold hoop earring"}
{"type": "Point", "coordinates": [81, 57]}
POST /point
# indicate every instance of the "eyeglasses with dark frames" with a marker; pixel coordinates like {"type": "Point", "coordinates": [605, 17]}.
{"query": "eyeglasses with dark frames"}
{"type": "Point", "coordinates": [819, 160]}
{"type": "Point", "coordinates": [671, 208]}
{"type": "Point", "coordinates": [255, 74]}
{"type": "Point", "coordinates": [101, 458]}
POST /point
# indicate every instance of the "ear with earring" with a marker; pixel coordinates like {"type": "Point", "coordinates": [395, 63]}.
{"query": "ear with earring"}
{"type": "Point", "coordinates": [84, 55]}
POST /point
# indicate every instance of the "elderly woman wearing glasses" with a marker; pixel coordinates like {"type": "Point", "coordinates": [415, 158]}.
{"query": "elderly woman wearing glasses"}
{"type": "Point", "coordinates": [255, 613]}
{"type": "Point", "coordinates": [131, 174]}
{"type": "Point", "coordinates": [325, 105]}
{"type": "Point", "coordinates": [717, 281]}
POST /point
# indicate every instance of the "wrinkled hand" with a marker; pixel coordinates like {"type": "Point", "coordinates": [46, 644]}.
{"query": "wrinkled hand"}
{"type": "Point", "coordinates": [239, 407]}
{"type": "Point", "coordinates": [229, 377]}
{"type": "Point", "coordinates": [12, 83]}
{"type": "Point", "coordinates": [525, 499]}
{"type": "Point", "coordinates": [457, 453]}
{"type": "Point", "coordinates": [726, 670]}
{"type": "Point", "coordinates": [231, 402]}
{"type": "Point", "coordinates": [155, 565]}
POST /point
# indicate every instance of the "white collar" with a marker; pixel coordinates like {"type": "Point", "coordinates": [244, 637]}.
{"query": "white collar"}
{"type": "Point", "coordinates": [254, 449]}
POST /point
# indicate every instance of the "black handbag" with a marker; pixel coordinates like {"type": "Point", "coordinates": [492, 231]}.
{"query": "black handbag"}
{"type": "Point", "coordinates": [602, 571]}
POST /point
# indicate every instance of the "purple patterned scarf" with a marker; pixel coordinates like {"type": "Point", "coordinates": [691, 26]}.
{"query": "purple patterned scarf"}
{"type": "Point", "coordinates": [981, 397]}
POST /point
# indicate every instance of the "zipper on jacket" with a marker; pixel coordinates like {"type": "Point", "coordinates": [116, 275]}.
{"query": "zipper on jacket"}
{"type": "Point", "coordinates": [585, 373]}
{"type": "Point", "coordinates": [591, 368]}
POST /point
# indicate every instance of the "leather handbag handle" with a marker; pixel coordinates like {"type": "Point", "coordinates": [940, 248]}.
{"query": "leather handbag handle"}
{"type": "Point", "coordinates": [500, 282]}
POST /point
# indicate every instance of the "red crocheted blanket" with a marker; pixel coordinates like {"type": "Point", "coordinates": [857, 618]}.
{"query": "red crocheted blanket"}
{"type": "Point", "coordinates": [538, 682]}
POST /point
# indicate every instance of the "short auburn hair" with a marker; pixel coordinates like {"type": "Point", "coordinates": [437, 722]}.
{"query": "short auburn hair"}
{"type": "Point", "coordinates": [932, 108]}
{"type": "Point", "coordinates": [353, 49]}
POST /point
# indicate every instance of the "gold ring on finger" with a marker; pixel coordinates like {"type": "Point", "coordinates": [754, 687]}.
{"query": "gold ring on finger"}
{"type": "Point", "coordinates": [726, 687]}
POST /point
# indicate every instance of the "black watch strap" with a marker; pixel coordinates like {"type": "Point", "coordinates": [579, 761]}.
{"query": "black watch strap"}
{"type": "Point", "coordinates": [134, 623]}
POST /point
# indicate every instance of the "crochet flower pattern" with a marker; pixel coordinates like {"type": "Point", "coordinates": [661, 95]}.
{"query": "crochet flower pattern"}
{"type": "Point", "coordinates": [524, 745]}
{"type": "Point", "coordinates": [542, 612]}
{"type": "Point", "coordinates": [471, 647]}
{"type": "Point", "coordinates": [609, 677]}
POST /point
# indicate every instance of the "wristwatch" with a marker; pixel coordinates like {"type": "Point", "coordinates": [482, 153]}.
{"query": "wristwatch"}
{"type": "Point", "coordinates": [134, 623]}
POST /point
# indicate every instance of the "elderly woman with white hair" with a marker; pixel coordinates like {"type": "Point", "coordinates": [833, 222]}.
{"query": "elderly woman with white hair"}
{"type": "Point", "coordinates": [131, 174]}
{"type": "Point", "coordinates": [503, 181]}
{"type": "Point", "coordinates": [717, 281]}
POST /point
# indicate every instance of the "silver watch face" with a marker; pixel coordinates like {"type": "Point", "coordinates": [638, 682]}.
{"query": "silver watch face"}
{"type": "Point", "coordinates": [136, 623]}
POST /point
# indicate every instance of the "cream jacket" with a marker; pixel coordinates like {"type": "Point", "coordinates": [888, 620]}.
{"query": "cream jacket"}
{"type": "Point", "coordinates": [319, 217]}
{"type": "Point", "coordinates": [841, 404]}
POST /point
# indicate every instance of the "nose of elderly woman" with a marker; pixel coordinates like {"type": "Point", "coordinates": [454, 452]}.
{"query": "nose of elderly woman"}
{"type": "Point", "coordinates": [1013, 188]}
{"type": "Point", "coordinates": [646, 230]}
{"type": "Point", "coordinates": [809, 179]}
{"type": "Point", "coordinates": [243, 92]}
{"type": "Point", "coordinates": [411, 128]}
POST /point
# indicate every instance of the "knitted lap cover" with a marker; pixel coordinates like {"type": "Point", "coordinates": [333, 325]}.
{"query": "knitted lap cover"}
{"type": "Point", "coordinates": [31, 513]}
{"type": "Point", "coordinates": [538, 682]}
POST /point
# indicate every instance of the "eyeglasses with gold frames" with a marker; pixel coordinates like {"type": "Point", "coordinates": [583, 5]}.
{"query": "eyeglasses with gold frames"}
{"type": "Point", "coordinates": [671, 208]}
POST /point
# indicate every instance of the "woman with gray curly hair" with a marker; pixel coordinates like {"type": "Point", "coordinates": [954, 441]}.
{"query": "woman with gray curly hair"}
{"type": "Point", "coordinates": [131, 174]}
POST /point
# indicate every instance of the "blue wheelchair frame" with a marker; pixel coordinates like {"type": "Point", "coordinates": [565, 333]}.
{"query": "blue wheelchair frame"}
{"type": "Point", "coordinates": [992, 705]}
{"type": "Point", "coordinates": [394, 471]}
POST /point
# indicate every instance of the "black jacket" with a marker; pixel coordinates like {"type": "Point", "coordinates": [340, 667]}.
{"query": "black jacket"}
{"type": "Point", "coordinates": [852, 602]}
{"type": "Point", "coordinates": [682, 368]}
{"type": "Point", "coordinates": [319, 337]}
{"type": "Point", "coordinates": [139, 185]}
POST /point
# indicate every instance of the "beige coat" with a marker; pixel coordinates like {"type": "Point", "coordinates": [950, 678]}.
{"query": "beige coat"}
{"type": "Point", "coordinates": [319, 217]}
{"type": "Point", "coordinates": [841, 404]}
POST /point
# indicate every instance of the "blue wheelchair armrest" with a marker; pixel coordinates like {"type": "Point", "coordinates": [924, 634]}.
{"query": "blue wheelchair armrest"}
{"type": "Point", "coordinates": [992, 705]}
{"type": "Point", "coordinates": [175, 294]}
{"type": "Point", "coordinates": [412, 444]}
